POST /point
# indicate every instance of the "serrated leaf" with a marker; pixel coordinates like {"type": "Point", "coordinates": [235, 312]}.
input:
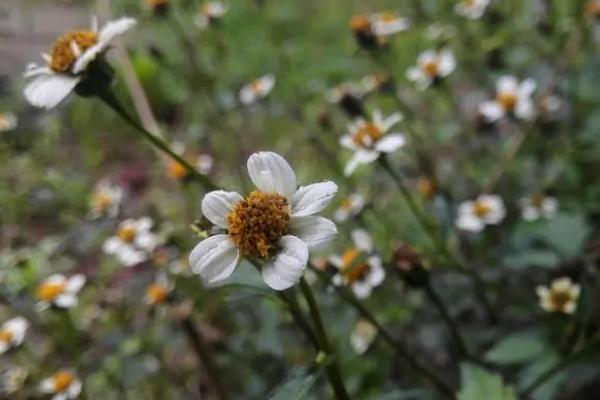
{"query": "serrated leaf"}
{"type": "Point", "coordinates": [516, 348]}
{"type": "Point", "coordinates": [478, 384]}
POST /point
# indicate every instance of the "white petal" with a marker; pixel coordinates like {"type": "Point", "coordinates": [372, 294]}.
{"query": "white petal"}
{"type": "Point", "coordinates": [87, 57]}
{"type": "Point", "coordinates": [271, 173]}
{"type": "Point", "coordinates": [112, 245]}
{"type": "Point", "coordinates": [525, 109]}
{"type": "Point", "coordinates": [247, 95]}
{"type": "Point", "coordinates": [347, 142]}
{"type": "Point", "coordinates": [46, 91]}
{"type": "Point", "coordinates": [376, 273]}
{"type": "Point", "coordinates": [447, 62]}
{"type": "Point", "coordinates": [114, 28]}
{"type": "Point", "coordinates": [391, 120]}
{"type": "Point", "coordinates": [362, 290]}
{"type": "Point", "coordinates": [75, 283]}
{"type": "Point", "coordinates": [47, 386]}
{"type": "Point", "coordinates": [214, 259]}
{"type": "Point", "coordinates": [56, 279]}
{"type": "Point", "coordinates": [415, 74]}
{"type": "Point", "coordinates": [390, 143]}
{"type": "Point", "coordinates": [469, 223]}
{"type": "Point", "coordinates": [4, 346]}
{"type": "Point", "coordinates": [60, 396]}
{"type": "Point", "coordinates": [527, 88]}
{"type": "Point", "coordinates": [74, 389]}
{"type": "Point", "coordinates": [288, 265]}
{"type": "Point", "coordinates": [218, 204]}
{"type": "Point", "coordinates": [147, 241]}
{"type": "Point", "coordinates": [507, 84]}
{"type": "Point", "coordinates": [362, 240]}
{"type": "Point", "coordinates": [315, 231]}
{"type": "Point", "coordinates": [18, 327]}
{"type": "Point", "coordinates": [65, 300]}
{"type": "Point", "coordinates": [491, 110]}
{"type": "Point", "coordinates": [313, 198]}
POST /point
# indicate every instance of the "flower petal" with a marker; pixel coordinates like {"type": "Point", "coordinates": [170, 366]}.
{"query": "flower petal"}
{"type": "Point", "coordinates": [75, 283]}
{"type": "Point", "coordinates": [491, 110]}
{"type": "Point", "coordinates": [315, 231]}
{"type": "Point", "coordinates": [288, 266]}
{"type": "Point", "coordinates": [271, 173]}
{"type": "Point", "coordinates": [218, 204]}
{"type": "Point", "coordinates": [66, 300]}
{"type": "Point", "coordinates": [390, 143]}
{"type": "Point", "coordinates": [114, 28]}
{"type": "Point", "coordinates": [214, 259]}
{"type": "Point", "coordinates": [47, 90]}
{"type": "Point", "coordinates": [313, 198]}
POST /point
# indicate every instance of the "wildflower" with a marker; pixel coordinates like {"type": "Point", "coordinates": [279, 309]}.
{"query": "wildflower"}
{"type": "Point", "coordinates": [538, 206]}
{"type": "Point", "coordinates": [350, 207]}
{"type": "Point", "coordinates": [388, 23]}
{"type": "Point", "coordinates": [487, 209]}
{"type": "Point", "coordinates": [257, 89]}
{"type": "Point", "coordinates": [210, 12]}
{"type": "Point", "coordinates": [8, 122]}
{"type": "Point", "coordinates": [59, 291]}
{"type": "Point", "coordinates": [512, 98]}
{"type": "Point", "coordinates": [64, 385]}
{"type": "Point", "coordinates": [176, 170]}
{"type": "Point", "coordinates": [561, 296]}
{"type": "Point", "coordinates": [348, 97]}
{"type": "Point", "coordinates": [204, 163]}
{"type": "Point", "coordinates": [158, 291]}
{"type": "Point", "coordinates": [359, 267]}
{"type": "Point", "coordinates": [472, 9]}
{"type": "Point", "coordinates": [133, 241]}
{"type": "Point", "coordinates": [431, 67]}
{"type": "Point", "coordinates": [368, 139]}
{"type": "Point", "coordinates": [67, 65]}
{"type": "Point", "coordinates": [426, 187]}
{"type": "Point", "coordinates": [364, 33]}
{"type": "Point", "coordinates": [12, 333]}
{"type": "Point", "coordinates": [106, 199]}
{"type": "Point", "coordinates": [275, 224]}
{"type": "Point", "coordinates": [375, 82]}
{"type": "Point", "coordinates": [362, 336]}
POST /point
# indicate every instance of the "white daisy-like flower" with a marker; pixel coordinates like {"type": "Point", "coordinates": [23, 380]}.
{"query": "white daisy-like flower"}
{"type": "Point", "coordinates": [350, 206]}
{"type": "Point", "coordinates": [431, 66]}
{"type": "Point", "coordinates": [512, 98]}
{"type": "Point", "coordinates": [362, 336]}
{"type": "Point", "coordinates": [63, 385]}
{"type": "Point", "coordinates": [561, 296]}
{"type": "Point", "coordinates": [158, 291]}
{"type": "Point", "coordinates": [368, 139]}
{"type": "Point", "coordinates": [275, 224]}
{"type": "Point", "coordinates": [12, 333]}
{"type": "Point", "coordinates": [473, 9]}
{"type": "Point", "coordinates": [68, 61]}
{"type": "Point", "coordinates": [59, 291]}
{"type": "Point", "coordinates": [133, 241]}
{"type": "Point", "coordinates": [487, 209]}
{"type": "Point", "coordinates": [538, 206]}
{"type": "Point", "coordinates": [8, 122]}
{"type": "Point", "coordinates": [373, 82]}
{"type": "Point", "coordinates": [388, 23]}
{"type": "Point", "coordinates": [106, 199]}
{"type": "Point", "coordinates": [209, 13]}
{"type": "Point", "coordinates": [359, 266]}
{"type": "Point", "coordinates": [257, 89]}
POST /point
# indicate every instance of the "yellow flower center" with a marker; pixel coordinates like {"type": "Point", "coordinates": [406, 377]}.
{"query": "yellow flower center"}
{"type": "Point", "coordinates": [101, 201]}
{"type": "Point", "coordinates": [537, 200]}
{"type": "Point", "coordinates": [430, 68]}
{"type": "Point", "coordinates": [360, 23]}
{"type": "Point", "coordinates": [258, 222]}
{"type": "Point", "coordinates": [367, 134]}
{"type": "Point", "coordinates": [481, 209]}
{"type": "Point", "coordinates": [62, 380]}
{"type": "Point", "coordinates": [176, 170]}
{"type": "Point", "coordinates": [156, 293]}
{"type": "Point", "coordinates": [425, 186]}
{"type": "Point", "coordinates": [346, 204]}
{"type": "Point", "coordinates": [559, 299]}
{"type": "Point", "coordinates": [349, 257]}
{"type": "Point", "coordinates": [126, 234]}
{"type": "Point", "coordinates": [5, 335]}
{"type": "Point", "coordinates": [62, 57]}
{"type": "Point", "coordinates": [48, 291]}
{"type": "Point", "coordinates": [355, 273]}
{"type": "Point", "coordinates": [387, 17]}
{"type": "Point", "coordinates": [507, 100]}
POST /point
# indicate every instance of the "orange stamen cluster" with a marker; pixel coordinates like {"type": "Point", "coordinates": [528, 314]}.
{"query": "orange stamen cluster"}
{"type": "Point", "coordinates": [508, 101]}
{"type": "Point", "coordinates": [176, 170]}
{"type": "Point", "coordinates": [430, 68]}
{"type": "Point", "coordinates": [360, 23]}
{"type": "Point", "coordinates": [367, 134]}
{"type": "Point", "coordinates": [258, 222]}
{"type": "Point", "coordinates": [560, 298]}
{"type": "Point", "coordinates": [101, 201]}
{"type": "Point", "coordinates": [48, 291]}
{"type": "Point", "coordinates": [156, 293]}
{"type": "Point", "coordinates": [352, 270]}
{"type": "Point", "coordinates": [62, 57]}
{"type": "Point", "coordinates": [126, 234]}
{"type": "Point", "coordinates": [481, 209]}
{"type": "Point", "coordinates": [5, 336]}
{"type": "Point", "coordinates": [62, 380]}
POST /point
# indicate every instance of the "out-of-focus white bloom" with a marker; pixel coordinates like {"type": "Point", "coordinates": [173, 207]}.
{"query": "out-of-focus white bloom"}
{"type": "Point", "coordinates": [133, 241]}
{"type": "Point", "coordinates": [362, 336]}
{"type": "Point", "coordinates": [349, 207]}
{"type": "Point", "coordinates": [561, 296]}
{"type": "Point", "coordinates": [368, 139]}
{"type": "Point", "coordinates": [8, 122]}
{"type": "Point", "coordinates": [337, 93]}
{"type": "Point", "coordinates": [473, 9]}
{"type": "Point", "coordinates": [388, 23]}
{"type": "Point", "coordinates": [359, 267]}
{"type": "Point", "coordinates": [210, 12]}
{"type": "Point", "coordinates": [513, 98]}
{"type": "Point", "coordinates": [59, 291]}
{"type": "Point", "coordinates": [13, 380]}
{"type": "Point", "coordinates": [12, 333]}
{"type": "Point", "coordinates": [158, 291]}
{"type": "Point", "coordinates": [204, 163]}
{"type": "Point", "coordinates": [276, 224]}
{"type": "Point", "coordinates": [68, 61]}
{"type": "Point", "coordinates": [63, 385]}
{"type": "Point", "coordinates": [538, 206]}
{"type": "Point", "coordinates": [487, 209]}
{"type": "Point", "coordinates": [106, 199]}
{"type": "Point", "coordinates": [257, 89]}
{"type": "Point", "coordinates": [431, 65]}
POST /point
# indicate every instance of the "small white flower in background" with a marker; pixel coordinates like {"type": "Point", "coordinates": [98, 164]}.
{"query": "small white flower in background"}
{"type": "Point", "coordinates": [431, 65]}
{"type": "Point", "coordinates": [487, 209]}
{"type": "Point", "coordinates": [59, 291]}
{"type": "Point", "coordinates": [209, 13]}
{"type": "Point", "coordinates": [538, 206]}
{"type": "Point", "coordinates": [106, 199]}
{"type": "Point", "coordinates": [8, 122]}
{"type": "Point", "coordinates": [388, 23]}
{"type": "Point", "coordinates": [68, 61]}
{"type": "Point", "coordinates": [512, 98]}
{"type": "Point", "coordinates": [359, 267]}
{"type": "Point", "coordinates": [133, 241]}
{"type": "Point", "coordinates": [257, 89]}
{"type": "Point", "coordinates": [204, 163]}
{"type": "Point", "coordinates": [350, 206]}
{"type": "Point", "coordinates": [373, 82]}
{"type": "Point", "coordinates": [275, 224]}
{"type": "Point", "coordinates": [473, 9]}
{"type": "Point", "coordinates": [368, 139]}
{"type": "Point", "coordinates": [12, 333]}
{"type": "Point", "coordinates": [561, 296]}
{"type": "Point", "coordinates": [63, 385]}
{"type": "Point", "coordinates": [158, 291]}
{"type": "Point", "coordinates": [362, 336]}
{"type": "Point", "coordinates": [13, 380]}
{"type": "Point", "coordinates": [337, 93]}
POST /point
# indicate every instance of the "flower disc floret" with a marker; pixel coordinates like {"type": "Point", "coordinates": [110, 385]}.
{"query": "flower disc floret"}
{"type": "Point", "coordinates": [62, 56]}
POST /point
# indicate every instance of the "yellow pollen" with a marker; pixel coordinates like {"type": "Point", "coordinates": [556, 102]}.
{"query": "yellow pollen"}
{"type": "Point", "coordinates": [481, 209]}
{"type": "Point", "coordinates": [5, 336]}
{"type": "Point", "coordinates": [101, 201]}
{"type": "Point", "coordinates": [355, 273]}
{"type": "Point", "coordinates": [126, 234]}
{"type": "Point", "coordinates": [430, 68]}
{"type": "Point", "coordinates": [48, 291]}
{"type": "Point", "coordinates": [387, 16]}
{"type": "Point", "coordinates": [537, 200]}
{"type": "Point", "coordinates": [560, 299]}
{"type": "Point", "coordinates": [257, 223]}
{"type": "Point", "coordinates": [156, 293]}
{"type": "Point", "coordinates": [346, 204]}
{"type": "Point", "coordinates": [62, 57]}
{"type": "Point", "coordinates": [62, 380]}
{"type": "Point", "coordinates": [349, 257]}
{"type": "Point", "coordinates": [360, 23]}
{"type": "Point", "coordinates": [367, 131]}
{"type": "Point", "coordinates": [507, 100]}
{"type": "Point", "coordinates": [425, 186]}
{"type": "Point", "coordinates": [176, 170]}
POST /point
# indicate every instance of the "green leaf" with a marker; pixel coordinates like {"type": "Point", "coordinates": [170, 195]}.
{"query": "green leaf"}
{"type": "Point", "coordinates": [566, 234]}
{"type": "Point", "coordinates": [532, 257]}
{"type": "Point", "coordinates": [516, 348]}
{"type": "Point", "coordinates": [296, 387]}
{"type": "Point", "coordinates": [478, 384]}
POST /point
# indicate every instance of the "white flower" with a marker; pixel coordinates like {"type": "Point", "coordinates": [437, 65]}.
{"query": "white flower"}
{"type": "Point", "coordinates": [359, 267]}
{"type": "Point", "coordinates": [8, 122]}
{"type": "Point", "coordinates": [257, 89]}
{"type": "Point", "coordinates": [362, 336]}
{"type": "Point", "coordinates": [388, 23]}
{"type": "Point", "coordinates": [106, 199]}
{"type": "Point", "coordinates": [368, 139]}
{"type": "Point", "coordinates": [561, 296]}
{"type": "Point", "coordinates": [12, 333]}
{"type": "Point", "coordinates": [133, 241]}
{"type": "Point", "coordinates": [538, 206]}
{"type": "Point", "coordinates": [431, 65]}
{"type": "Point", "coordinates": [473, 9]}
{"type": "Point", "coordinates": [210, 12]}
{"type": "Point", "coordinates": [276, 224]}
{"type": "Point", "coordinates": [204, 163]}
{"type": "Point", "coordinates": [64, 385]}
{"type": "Point", "coordinates": [158, 291]}
{"type": "Point", "coordinates": [349, 207]}
{"type": "Point", "coordinates": [67, 63]}
{"type": "Point", "coordinates": [487, 209]}
{"type": "Point", "coordinates": [59, 291]}
{"type": "Point", "coordinates": [512, 97]}
{"type": "Point", "coordinates": [337, 93]}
